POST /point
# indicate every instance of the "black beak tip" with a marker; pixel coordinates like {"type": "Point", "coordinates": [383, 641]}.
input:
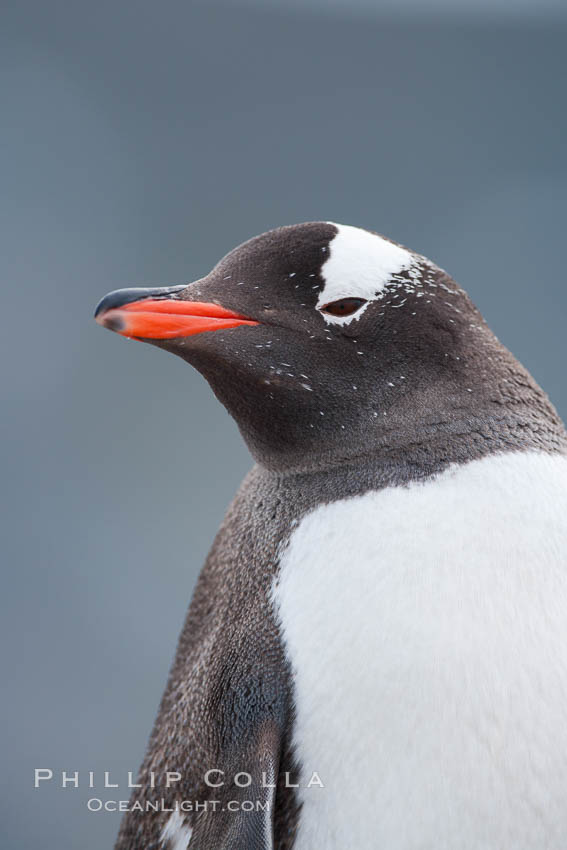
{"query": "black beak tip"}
{"type": "Point", "coordinates": [120, 297]}
{"type": "Point", "coordinates": [113, 323]}
{"type": "Point", "coordinates": [101, 307]}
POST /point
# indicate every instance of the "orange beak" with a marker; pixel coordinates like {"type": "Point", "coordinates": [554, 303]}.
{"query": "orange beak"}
{"type": "Point", "coordinates": [163, 318]}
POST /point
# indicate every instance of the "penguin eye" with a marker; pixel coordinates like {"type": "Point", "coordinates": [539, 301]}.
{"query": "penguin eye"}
{"type": "Point", "coordinates": [343, 307]}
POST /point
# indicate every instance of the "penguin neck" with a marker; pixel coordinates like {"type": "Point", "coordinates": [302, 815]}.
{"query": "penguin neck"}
{"type": "Point", "coordinates": [395, 466]}
{"type": "Point", "coordinates": [404, 447]}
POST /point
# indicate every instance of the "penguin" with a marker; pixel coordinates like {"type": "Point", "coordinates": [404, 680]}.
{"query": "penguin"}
{"type": "Point", "coordinates": [375, 654]}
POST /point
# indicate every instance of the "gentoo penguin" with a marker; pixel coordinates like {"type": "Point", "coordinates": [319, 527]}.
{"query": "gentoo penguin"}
{"type": "Point", "coordinates": [375, 655]}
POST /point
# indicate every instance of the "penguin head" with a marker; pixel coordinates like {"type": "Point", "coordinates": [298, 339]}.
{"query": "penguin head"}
{"type": "Point", "coordinates": [325, 342]}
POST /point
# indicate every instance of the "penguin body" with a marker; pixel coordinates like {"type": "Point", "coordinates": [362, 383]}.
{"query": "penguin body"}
{"type": "Point", "coordinates": [385, 604]}
{"type": "Point", "coordinates": [425, 626]}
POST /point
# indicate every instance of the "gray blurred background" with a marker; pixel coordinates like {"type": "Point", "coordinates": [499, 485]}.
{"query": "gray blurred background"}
{"type": "Point", "coordinates": [140, 142]}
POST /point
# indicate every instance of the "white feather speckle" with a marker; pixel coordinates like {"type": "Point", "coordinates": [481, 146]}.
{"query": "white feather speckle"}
{"type": "Point", "coordinates": [175, 833]}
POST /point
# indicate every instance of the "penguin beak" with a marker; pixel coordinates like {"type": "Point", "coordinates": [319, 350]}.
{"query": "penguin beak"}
{"type": "Point", "coordinates": [161, 314]}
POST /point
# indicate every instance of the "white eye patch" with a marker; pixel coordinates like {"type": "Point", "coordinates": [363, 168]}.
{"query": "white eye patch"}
{"type": "Point", "coordinates": [359, 265]}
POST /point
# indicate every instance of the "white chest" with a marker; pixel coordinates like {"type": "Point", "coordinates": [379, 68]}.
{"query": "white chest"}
{"type": "Point", "coordinates": [427, 631]}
